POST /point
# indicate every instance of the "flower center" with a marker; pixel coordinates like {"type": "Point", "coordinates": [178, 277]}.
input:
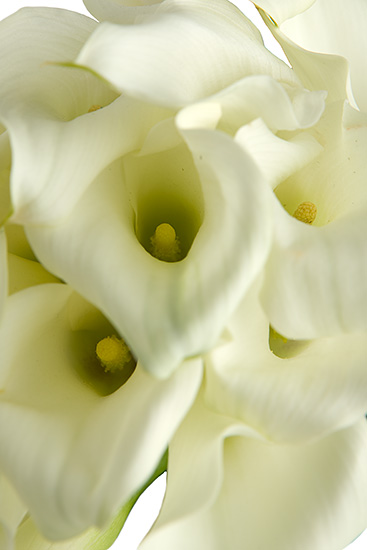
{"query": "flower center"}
{"type": "Point", "coordinates": [165, 244]}
{"type": "Point", "coordinates": [305, 212]}
{"type": "Point", "coordinates": [113, 354]}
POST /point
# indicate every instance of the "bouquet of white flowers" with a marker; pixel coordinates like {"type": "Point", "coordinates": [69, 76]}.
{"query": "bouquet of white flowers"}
{"type": "Point", "coordinates": [183, 271]}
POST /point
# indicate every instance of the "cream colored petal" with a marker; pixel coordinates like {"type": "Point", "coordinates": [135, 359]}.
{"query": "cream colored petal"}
{"type": "Point", "coordinates": [277, 158]}
{"type": "Point", "coordinates": [336, 27]}
{"type": "Point", "coordinates": [3, 272]}
{"type": "Point", "coordinates": [316, 277]}
{"type": "Point", "coordinates": [73, 453]}
{"type": "Point", "coordinates": [292, 391]}
{"type": "Point", "coordinates": [257, 96]}
{"type": "Point", "coordinates": [280, 10]}
{"type": "Point", "coordinates": [12, 512]}
{"type": "Point", "coordinates": [213, 44]}
{"type": "Point", "coordinates": [219, 205]}
{"type": "Point", "coordinates": [121, 11]}
{"type": "Point", "coordinates": [261, 495]}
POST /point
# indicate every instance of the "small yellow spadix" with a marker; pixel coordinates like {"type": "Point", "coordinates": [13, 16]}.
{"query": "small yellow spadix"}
{"type": "Point", "coordinates": [165, 244]}
{"type": "Point", "coordinates": [94, 108]}
{"type": "Point", "coordinates": [113, 354]}
{"type": "Point", "coordinates": [305, 212]}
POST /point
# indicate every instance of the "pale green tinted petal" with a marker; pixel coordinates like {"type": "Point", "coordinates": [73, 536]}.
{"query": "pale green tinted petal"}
{"type": "Point", "coordinates": [266, 496]}
{"type": "Point", "coordinates": [120, 11]}
{"type": "Point", "coordinates": [277, 158]}
{"type": "Point", "coordinates": [24, 273]}
{"type": "Point", "coordinates": [280, 10]}
{"type": "Point", "coordinates": [73, 453]}
{"type": "Point", "coordinates": [28, 537]}
{"type": "Point", "coordinates": [166, 311]}
{"type": "Point", "coordinates": [316, 277]}
{"type": "Point", "coordinates": [307, 390]}
{"type": "Point", "coordinates": [55, 162]}
{"type": "Point", "coordinates": [337, 27]}
{"type": "Point", "coordinates": [3, 271]}
{"type": "Point", "coordinates": [57, 145]}
{"type": "Point", "coordinates": [213, 44]}
{"type": "Point", "coordinates": [12, 511]}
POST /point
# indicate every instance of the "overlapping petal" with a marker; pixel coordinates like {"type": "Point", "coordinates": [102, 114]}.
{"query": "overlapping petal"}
{"type": "Point", "coordinates": [57, 146]}
{"type": "Point", "coordinates": [335, 27]}
{"type": "Point", "coordinates": [221, 489]}
{"type": "Point", "coordinates": [280, 10]}
{"type": "Point", "coordinates": [190, 301]}
{"type": "Point", "coordinates": [290, 391]}
{"type": "Point", "coordinates": [3, 272]}
{"type": "Point", "coordinates": [213, 45]}
{"type": "Point", "coordinates": [12, 511]}
{"type": "Point", "coordinates": [316, 276]}
{"type": "Point", "coordinates": [121, 11]}
{"type": "Point", "coordinates": [86, 452]}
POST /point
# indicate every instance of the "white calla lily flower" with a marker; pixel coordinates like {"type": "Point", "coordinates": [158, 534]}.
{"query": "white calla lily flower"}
{"type": "Point", "coordinates": [229, 487]}
{"type": "Point", "coordinates": [92, 435]}
{"type": "Point", "coordinates": [290, 391]}
{"type": "Point", "coordinates": [211, 193]}
{"type": "Point", "coordinates": [213, 45]}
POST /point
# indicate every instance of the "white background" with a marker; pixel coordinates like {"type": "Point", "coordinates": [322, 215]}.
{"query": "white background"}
{"type": "Point", "coordinates": [145, 511]}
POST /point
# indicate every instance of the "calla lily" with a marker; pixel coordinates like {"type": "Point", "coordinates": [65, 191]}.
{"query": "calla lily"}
{"type": "Point", "coordinates": [56, 151]}
{"type": "Point", "coordinates": [213, 44]}
{"type": "Point", "coordinates": [333, 27]}
{"type": "Point", "coordinates": [289, 391]}
{"type": "Point", "coordinates": [228, 487]}
{"type": "Point", "coordinates": [224, 230]}
{"type": "Point", "coordinates": [92, 438]}
{"type": "Point", "coordinates": [315, 282]}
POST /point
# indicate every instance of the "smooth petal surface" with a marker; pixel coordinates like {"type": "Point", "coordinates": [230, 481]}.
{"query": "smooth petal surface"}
{"type": "Point", "coordinates": [3, 271]}
{"type": "Point", "coordinates": [57, 145]}
{"type": "Point", "coordinates": [310, 496]}
{"type": "Point", "coordinates": [28, 536]}
{"type": "Point", "coordinates": [336, 27]}
{"type": "Point", "coordinates": [167, 311]}
{"type": "Point", "coordinates": [316, 71]}
{"type": "Point", "coordinates": [316, 278]}
{"type": "Point", "coordinates": [277, 158]}
{"type": "Point", "coordinates": [121, 11]}
{"type": "Point", "coordinates": [301, 391]}
{"type": "Point", "coordinates": [213, 44]}
{"type": "Point", "coordinates": [280, 10]}
{"type": "Point", "coordinates": [12, 511]}
{"type": "Point", "coordinates": [256, 97]}
{"type": "Point", "coordinates": [87, 452]}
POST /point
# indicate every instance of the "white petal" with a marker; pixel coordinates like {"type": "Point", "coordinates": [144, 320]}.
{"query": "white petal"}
{"type": "Point", "coordinates": [120, 11]}
{"type": "Point", "coordinates": [316, 71]}
{"type": "Point", "coordinates": [55, 162]}
{"type": "Point", "coordinates": [261, 495]}
{"type": "Point", "coordinates": [73, 454]}
{"type": "Point", "coordinates": [336, 27]}
{"type": "Point", "coordinates": [57, 146]}
{"type": "Point", "coordinates": [3, 272]}
{"type": "Point", "coordinates": [280, 10]}
{"type": "Point", "coordinates": [166, 311]}
{"type": "Point", "coordinates": [316, 278]}
{"type": "Point", "coordinates": [277, 158]}
{"type": "Point", "coordinates": [12, 511]}
{"type": "Point", "coordinates": [307, 390]}
{"type": "Point", "coordinates": [213, 45]}
{"type": "Point", "coordinates": [256, 97]}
